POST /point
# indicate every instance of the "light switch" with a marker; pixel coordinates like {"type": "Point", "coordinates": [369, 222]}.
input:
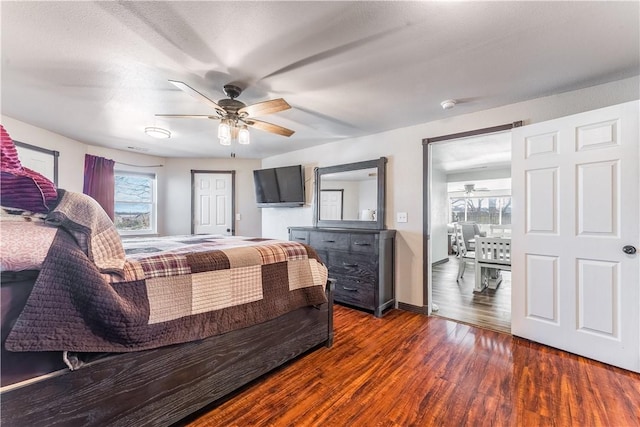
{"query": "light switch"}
{"type": "Point", "coordinates": [238, 217]}
{"type": "Point", "coordinates": [402, 217]}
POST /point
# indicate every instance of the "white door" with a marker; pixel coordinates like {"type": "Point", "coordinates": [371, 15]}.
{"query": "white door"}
{"type": "Point", "coordinates": [576, 206]}
{"type": "Point", "coordinates": [213, 203]}
{"type": "Point", "coordinates": [331, 204]}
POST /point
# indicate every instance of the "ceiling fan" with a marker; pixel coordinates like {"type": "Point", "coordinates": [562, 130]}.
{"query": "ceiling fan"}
{"type": "Point", "coordinates": [235, 116]}
{"type": "Point", "coordinates": [471, 188]}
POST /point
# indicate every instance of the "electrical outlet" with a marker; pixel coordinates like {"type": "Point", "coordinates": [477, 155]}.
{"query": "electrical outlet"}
{"type": "Point", "coordinates": [401, 217]}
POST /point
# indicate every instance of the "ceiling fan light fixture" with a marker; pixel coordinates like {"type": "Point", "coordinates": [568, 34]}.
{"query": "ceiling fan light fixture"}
{"type": "Point", "coordinates": [224, 133]}
{"type": "Point", "coordinates": [469, 188]}
{"type": "Point", "coordinates": [235, 115]}
{"type": "Point", "coordinates": [157, 132]}
{"type": "Point", "coordinates": [243, 135]}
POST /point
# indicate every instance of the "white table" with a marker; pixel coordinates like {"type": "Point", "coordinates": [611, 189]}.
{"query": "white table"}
{"type": "Point", "coordinates": [493, 254]}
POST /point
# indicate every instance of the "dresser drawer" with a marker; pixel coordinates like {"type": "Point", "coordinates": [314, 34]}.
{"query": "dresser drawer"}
{"type": "Point", "coordinates": [301, 236]}
{"type": "Point", "coordinates": [360, 260]}
{"type": "Point", "coordinates": [324, 256]}
{"type": "Point", "coordinates": [329, 241]}
{"type": "Point", "coordinates": [353, 265]}
{"type": "Point", "coordinates": [362, 243]}
{"type": "Point", "coordinates": [354, 291]}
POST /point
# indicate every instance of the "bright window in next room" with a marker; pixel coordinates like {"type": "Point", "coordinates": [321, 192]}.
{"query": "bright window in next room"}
{"type": "Point", "coordinates": [135, 202]}
{"type": "Point", "coordinates": [481, 210]}
{"type": "Point", "coordinates": [486, 202]}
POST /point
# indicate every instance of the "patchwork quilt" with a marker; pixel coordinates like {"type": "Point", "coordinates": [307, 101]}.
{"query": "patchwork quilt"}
{"type": "Point", "coordinates": [169, 291]}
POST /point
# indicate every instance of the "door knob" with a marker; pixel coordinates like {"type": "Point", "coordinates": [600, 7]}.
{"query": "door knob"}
{"type": "Point", "coordinates": [629, 250]}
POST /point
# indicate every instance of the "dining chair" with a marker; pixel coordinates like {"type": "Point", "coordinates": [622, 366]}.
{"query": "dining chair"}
{"type": "Point", "coordinates": [471, 230]}
{"type": "Point", "coordinates": [464, 256]}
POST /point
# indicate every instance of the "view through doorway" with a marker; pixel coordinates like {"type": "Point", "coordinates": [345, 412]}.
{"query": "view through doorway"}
{"type": "Point", "coordinates": [469, 183]}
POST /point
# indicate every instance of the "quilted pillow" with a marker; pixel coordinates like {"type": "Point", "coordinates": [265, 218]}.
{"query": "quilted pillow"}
{"type": "Point", "coordinates": [22, 187]}
{"type": "Point", "coordinates": [9, 158]}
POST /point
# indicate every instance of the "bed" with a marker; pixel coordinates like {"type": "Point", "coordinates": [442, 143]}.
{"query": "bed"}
{"type": "Point", "coordinates": [145, 333]}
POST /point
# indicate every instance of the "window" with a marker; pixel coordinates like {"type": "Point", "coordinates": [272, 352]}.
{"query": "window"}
{"type": "Point", "coordinates": [135, 203]}
{"type": "Point", "coordinates": [481, 210]}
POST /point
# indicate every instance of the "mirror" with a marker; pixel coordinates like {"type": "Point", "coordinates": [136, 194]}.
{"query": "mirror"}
{"type": "Point", "coordinates": [350, 195]}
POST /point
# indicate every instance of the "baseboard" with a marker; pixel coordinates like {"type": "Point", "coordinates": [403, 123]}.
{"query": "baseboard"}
{"type": "Point", "coordinates": [442, 261]}
{"type": "Point", "coordinates": [413, 308]}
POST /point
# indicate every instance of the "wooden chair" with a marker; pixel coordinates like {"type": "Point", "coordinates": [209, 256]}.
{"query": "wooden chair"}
{"type": "Point", "coordinates": [464, 256]}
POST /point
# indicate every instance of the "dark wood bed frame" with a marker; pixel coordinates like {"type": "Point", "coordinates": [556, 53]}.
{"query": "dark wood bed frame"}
{"type": "Point", "coordinates": [162, 386]}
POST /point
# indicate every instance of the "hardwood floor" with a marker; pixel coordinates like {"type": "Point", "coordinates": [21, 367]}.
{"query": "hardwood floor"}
{"type": "Point", "coordinates": [456, 300]}
{"type": "Point", "coordinates": [407, 369]}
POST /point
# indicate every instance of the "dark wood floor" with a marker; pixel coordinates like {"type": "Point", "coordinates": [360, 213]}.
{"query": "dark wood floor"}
{"type": "Point", "coordinates": [456, 300]}
{"type": "Point", "coordinates": [407, 369]}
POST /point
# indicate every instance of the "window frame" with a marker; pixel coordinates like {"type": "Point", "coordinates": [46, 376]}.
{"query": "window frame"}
{"type": "Point", "coordinates": [153, 220]}
{"type": "Point", "coordinates": [492, 196]}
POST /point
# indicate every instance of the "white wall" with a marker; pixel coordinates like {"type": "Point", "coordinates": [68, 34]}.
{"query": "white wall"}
{"type": "Point", "coordinates": [71, 159]}
{"type": "Point", "coordinates": [439, 215]}
{"type": "Point", "coordinates": [478, 175]}
{"type": "Point", "coordinates": [368, 191]}
{"type": "Point", "coordinates": [403, 147]}
{"type": "Point", "coordinates": [173, 178]}
{"type": "Point", "coordinates": [177, 208]}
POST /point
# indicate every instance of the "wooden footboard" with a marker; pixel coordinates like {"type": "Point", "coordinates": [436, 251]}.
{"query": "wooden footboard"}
{"type": "Point", "coordinates": [161, 386]}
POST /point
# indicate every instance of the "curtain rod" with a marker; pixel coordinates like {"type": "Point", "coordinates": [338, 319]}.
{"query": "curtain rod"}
{"type": "Point", "coordinates": [139, 166]}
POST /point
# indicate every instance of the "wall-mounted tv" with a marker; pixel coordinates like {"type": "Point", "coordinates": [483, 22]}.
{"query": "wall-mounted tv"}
{"type": "Point", "coordinates": [279, 187]}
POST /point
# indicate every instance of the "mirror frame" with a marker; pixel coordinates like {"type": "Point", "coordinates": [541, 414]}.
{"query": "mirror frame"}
{"type": "Point", "coordinates": [378, 224]}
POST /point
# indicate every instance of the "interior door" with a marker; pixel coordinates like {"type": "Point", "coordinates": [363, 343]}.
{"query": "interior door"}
{"type": "Point", "coordinates": [213, 203]}
{"type": "Point", "coordinates": [575, 278]}
{"type": "Point", "coordinates": [331, 204]}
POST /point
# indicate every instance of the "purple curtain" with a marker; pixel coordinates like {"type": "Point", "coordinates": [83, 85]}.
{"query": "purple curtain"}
{"type": "Point", "coordinates": [99, 181]}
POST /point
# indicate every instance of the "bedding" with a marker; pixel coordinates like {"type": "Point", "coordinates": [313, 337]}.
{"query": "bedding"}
{"type": "Point", "coordinates": [219, 299]}
{"type": "Point", "coordinates": [24, 245]}
{"type": "Point", "coordinates": [91, 227]}
{"type": "Point", "coordinates": [160, 296]}
{"type": "Point", "coordinates": [22, 187]}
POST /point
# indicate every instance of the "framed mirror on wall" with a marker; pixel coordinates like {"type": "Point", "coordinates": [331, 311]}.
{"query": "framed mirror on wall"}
{"type": "Point", "coordinates": [350, 195]}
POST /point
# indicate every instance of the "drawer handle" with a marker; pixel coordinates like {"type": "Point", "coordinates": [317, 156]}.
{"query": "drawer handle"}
{"type": "Point", "coordinates": [349, 265]}
{"type": "Point", "coordinates": [301, 238]}
{"type": "Point", "coordinates": [350, 289]}
{"type": "Point", "coordinates": [362, 244]}
{"type": "Point", "coordinates": [329, 241]}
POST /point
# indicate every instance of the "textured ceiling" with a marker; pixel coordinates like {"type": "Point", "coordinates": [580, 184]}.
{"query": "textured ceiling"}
{"type": "Point", "coordinates": [97, 72]}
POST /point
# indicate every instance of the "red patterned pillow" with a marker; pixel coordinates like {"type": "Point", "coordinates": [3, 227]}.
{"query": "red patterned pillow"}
{"type": "Point", "coordinates": [22, 187]}
{"type": "Point", "coordinates": [9, 154]}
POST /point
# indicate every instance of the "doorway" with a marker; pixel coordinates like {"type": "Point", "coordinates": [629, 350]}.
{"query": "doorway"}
{"type": "Point", "coordinates": [468, 185]}
{"type": "Point", "coordinates": [212, 202]}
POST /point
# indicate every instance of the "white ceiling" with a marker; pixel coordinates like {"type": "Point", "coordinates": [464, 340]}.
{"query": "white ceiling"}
{"type": "Point", "coordinates": [489, 151]}
{"type": "Point", "coordinates": [97, 72]}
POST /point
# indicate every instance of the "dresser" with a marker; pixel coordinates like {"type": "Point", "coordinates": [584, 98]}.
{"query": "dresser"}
{"type": "Point", "coordinates": [360, 261]}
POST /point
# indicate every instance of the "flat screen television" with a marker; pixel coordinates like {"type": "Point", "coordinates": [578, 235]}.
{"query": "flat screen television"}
{"type": "Point", "coordinates": [279, 187]}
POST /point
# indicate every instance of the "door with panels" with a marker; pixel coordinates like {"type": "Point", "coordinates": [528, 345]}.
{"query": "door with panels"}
{"type": "Point", "coordinates": [575, 273]}
{"type": "Point", "coordinates": [213, 203]}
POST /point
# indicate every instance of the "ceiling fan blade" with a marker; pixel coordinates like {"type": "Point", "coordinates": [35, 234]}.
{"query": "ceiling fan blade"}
{"type": "Point", "coordinates": [191, 91]}
{"type": "Point", "coordinates": [264, 108]}
{"type": "Point", "coordinates": [188, 116]}
{"type": "Point", "coordinates": [269, 127]}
